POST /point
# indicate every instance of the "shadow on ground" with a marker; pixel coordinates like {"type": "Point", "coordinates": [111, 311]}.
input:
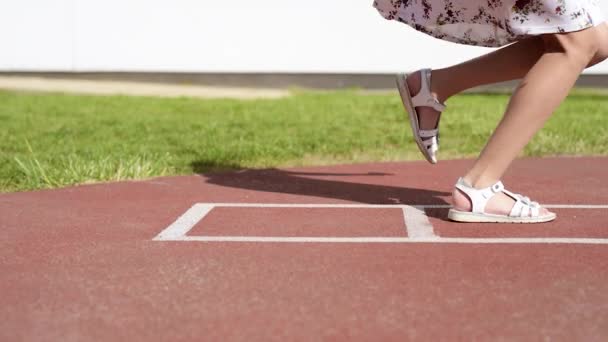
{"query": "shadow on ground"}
{"type": "Point", "coordinates": [306, 184]}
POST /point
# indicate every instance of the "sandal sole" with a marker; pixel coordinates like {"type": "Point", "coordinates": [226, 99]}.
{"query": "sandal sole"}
{"type": "Point", "coordinates": [462, 216]}
{"type": "Point", "coordinates": [406, 99]}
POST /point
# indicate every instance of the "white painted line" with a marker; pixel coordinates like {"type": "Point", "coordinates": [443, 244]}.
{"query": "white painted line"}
{"type": "Point", "coordinates": [417, 223]}
{"type": "Point", "coordinates": [575, 206]}
{"type": "Point", "coordinates": [552, 240]}
{"type": "Point", "coordinates": [437, 240]}
{"type": "Point", "coordinates": [387, 206]}
{"type": "Point", "coordinates": [313, 205]}
{"type": "Point", "coordinates": [419, 227]}
{"type": "Point", "coordinates": [184, 223]}
{"type": "Point", "coordinates": [297, 239]}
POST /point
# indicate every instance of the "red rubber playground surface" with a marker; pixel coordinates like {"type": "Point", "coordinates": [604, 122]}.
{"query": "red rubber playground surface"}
{"type": "Point", "coordinates": [355, 252]}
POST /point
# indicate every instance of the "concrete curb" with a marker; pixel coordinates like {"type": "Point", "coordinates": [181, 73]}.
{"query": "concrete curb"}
{"type": "Point", "coordinates": [104, 87]}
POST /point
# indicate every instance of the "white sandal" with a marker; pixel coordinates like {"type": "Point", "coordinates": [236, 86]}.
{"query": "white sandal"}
{"type": "Point", "coordinates": [524, 210]}
{"type": "Point", "coordinates": [428, 147]}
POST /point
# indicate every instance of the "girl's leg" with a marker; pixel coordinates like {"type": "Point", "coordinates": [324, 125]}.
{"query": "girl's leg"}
{"type": "Point", "coordinates": [505, 64]}
{"type": "Point", "coordinates": [537, 96]}
{"type": "Point", "coordinates": [509, 63]}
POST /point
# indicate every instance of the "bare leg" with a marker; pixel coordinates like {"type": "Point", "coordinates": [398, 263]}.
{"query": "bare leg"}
{"type": "Point", "coordinates": [515, 61]}
{"type": "Point", "coordinates": [509, 63]}
{"type": "Point", "coordinates": [564, 58]}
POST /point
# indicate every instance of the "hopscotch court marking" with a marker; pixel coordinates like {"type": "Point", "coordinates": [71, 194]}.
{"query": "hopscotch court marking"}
{"type": "Point", "coordinates": [419, 228]}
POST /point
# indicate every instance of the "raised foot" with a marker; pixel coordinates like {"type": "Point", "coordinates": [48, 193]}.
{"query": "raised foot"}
{"type": "Point", "coordinates": [428, 118]}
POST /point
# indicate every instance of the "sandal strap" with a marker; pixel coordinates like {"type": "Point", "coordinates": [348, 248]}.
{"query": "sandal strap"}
{"type": "Point", "coordinates": [424, 97]}
{"type": "Point", "coordinates": [431, 145]}
{"type": "Point", "coordinates": [429, 142]}
{"type": "Point", "coordinates": [479, 197]}
{"type": "Point", "coordinates": [428, 133]}
{"type": "Point", "coordinates": [524, 207]}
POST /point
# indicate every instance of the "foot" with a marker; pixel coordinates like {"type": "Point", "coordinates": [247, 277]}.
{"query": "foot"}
{"type": "Point", "coordinates": [428, 118]}
{"type": "Point", "coordinates": [500, 204]}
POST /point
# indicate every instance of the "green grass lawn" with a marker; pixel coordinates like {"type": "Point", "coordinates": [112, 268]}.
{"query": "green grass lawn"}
{"type": "Point", "coordinates": [52, 140]}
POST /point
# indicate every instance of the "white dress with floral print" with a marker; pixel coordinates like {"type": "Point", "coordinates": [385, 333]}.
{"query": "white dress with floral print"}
{"type": "Point", "coordinates": [491, 23]}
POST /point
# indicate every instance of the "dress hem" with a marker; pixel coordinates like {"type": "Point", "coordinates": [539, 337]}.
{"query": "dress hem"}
{"type": "Point", "coordinates": [493, 25]}
{"type": "Point", "coordinates": [497, 42]}
{"type": "Point", "coordinates": [537, 30]}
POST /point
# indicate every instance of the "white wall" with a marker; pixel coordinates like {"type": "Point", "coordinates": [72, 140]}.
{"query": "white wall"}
{"type": "Point", "coordinates": [215, 36]}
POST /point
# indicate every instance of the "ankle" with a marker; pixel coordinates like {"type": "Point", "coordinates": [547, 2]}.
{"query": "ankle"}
{"type": "Point", "coordinates": [438, 89]}
{"type": "Point", "coordinates": [440, 86]}
{"type": "Point", "coordinates": [479, 182]}
{"type": "Point", "coordinates": [439, 93]}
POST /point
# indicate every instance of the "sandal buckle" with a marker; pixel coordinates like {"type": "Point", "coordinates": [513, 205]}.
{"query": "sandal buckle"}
{"type": "Point", "coordinates": [498, 187]}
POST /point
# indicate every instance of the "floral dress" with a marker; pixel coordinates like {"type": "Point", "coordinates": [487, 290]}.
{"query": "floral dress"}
{"type": "Point", "coordinates": [491, 23]}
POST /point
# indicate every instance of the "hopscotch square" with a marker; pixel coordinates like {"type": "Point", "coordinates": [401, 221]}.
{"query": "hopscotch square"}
{"type": "Point", "coordinates": [310, 222]}
{"type": "Point", "coordinates": [415, 225]}
{"type": "Point", "coordinates": [419, 228]}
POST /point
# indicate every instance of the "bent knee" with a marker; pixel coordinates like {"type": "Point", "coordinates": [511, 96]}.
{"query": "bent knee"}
{"type": "Point", "coordinates": [581, 46]}
{"type": "Point", "coordinates": [602, 51]}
